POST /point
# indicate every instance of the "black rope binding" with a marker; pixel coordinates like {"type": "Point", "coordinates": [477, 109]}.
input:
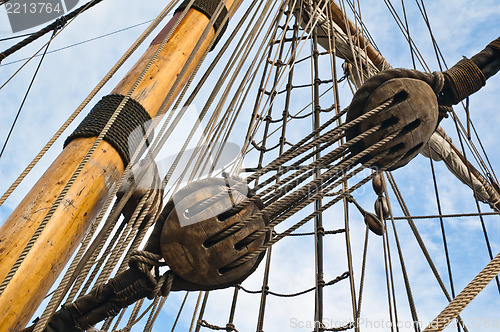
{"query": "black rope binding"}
{"type": "Point", "coordinates": [208, 8]}
{"type": "Point", "coordinates": [122, 135]}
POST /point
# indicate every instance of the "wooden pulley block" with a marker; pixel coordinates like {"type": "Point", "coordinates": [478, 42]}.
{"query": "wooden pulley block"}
{"type": "Point", "coordinates": [198, 242]}
{"type": "Point", "coordinates": [382, 207]}
{"type": "Point", "coordinates": [413, 113]}
{"type": "Point", "coordinates": [374, 224]}
{"type": "Point", "coordinates": [378, 184]}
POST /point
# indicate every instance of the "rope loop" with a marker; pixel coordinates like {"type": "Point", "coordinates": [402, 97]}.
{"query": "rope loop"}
{"type": "Point", "coordinates": [164, 285]}
{"type": "Point", "coordinates": [60, 22]}
{"type": "Point", "coordinates": [144, 257]}
{"type": "Point", "coordinates": [437, 81]}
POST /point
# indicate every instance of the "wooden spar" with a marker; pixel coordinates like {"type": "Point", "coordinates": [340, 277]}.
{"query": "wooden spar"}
{"type": "Point", "coordinates": [381, 63]}
{"type": "Point", "coordinates": [85, 198]}
{"type": "Point", "coordinates": [350, 29]}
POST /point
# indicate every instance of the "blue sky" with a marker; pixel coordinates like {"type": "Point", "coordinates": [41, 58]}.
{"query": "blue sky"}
{"type": "Point", "coordinates": [461, 28]}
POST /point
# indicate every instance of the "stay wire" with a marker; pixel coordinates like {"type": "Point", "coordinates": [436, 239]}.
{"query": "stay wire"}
{"type": "Point", "coordinates": [58, 31]}
{"type": "Point", "coordinates": [15, 37]}
{"type": "Point", "coordinates": [420, 241]}
{"type": "Point", "coordinates": [87, 100]}
{"type": "Point", "coordinates": [412, 52]}
{"type": "Point", "coordinates": [443, 232]}
{"type": "Point", "coordinates": [388, 281]}
{"type": "Point", "coordinates": [82, 164]}
{"type": "Point", "coordinates": [26, 95]}
{"type": "Point", "coordinates": [483, 226]}
{"type": "Point", "coordinates": [58, 24]}
{"type": "Point", "coordinates": [409, 293]}
{"type": "Point", "coordinates": [79, 43]}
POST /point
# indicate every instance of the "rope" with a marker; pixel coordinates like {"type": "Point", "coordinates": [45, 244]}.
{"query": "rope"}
{"type": "Point", "coordinates": [82, 165]}
{"type": "Point", "coordinates": [456, 215]}
{"type": "Point", "coordinates": [466, 296]}
{"type": "Point", "coordinates": [26, 95]}
{"type": "Point", "coordinates": [300, 148]}
{"type": "Point", "coordinates": [56, 25]}
{"type": "Point", "coordinates": [228, 327]}
{"type": "Point", "coordinates": [313, 187]}
{"type": "Point", "coordinates": [310, 216]}
{"type": "Point", "coordinates": [92, 94]}
{"type": "Point", "coordinates": [336, 231]}
{"type": "Point", "coordinates": [266, 290]}
{"type": "Point", "coordinates": [78, 43]}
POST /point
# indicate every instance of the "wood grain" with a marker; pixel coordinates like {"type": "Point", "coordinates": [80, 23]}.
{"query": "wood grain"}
{"type": "Point", "coordinates": [71, 220]}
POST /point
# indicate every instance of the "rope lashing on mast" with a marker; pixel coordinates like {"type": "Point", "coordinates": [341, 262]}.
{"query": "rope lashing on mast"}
{"type": "Point", "coordinates": [58, 24]}
{"type": "Point", "coordinates": [249, 238]}
{"type": "Point", "coordinates": [469, 75]}
{"type": "Point", "coordinates": [126, 133]}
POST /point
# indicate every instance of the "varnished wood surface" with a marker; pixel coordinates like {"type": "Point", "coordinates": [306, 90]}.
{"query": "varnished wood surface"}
{"type": "Point", "coordinates": [63, 232]}
{"type": "Point", "coordinates": [71, 220]}
{"type": "Point", "coordinates": [350, 29]}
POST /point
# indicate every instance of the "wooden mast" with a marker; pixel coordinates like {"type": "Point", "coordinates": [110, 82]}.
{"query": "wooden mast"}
{"type": "Point", "coordinates": [350, 29]}
{"type": "Point", "coordinates": [83, 201]}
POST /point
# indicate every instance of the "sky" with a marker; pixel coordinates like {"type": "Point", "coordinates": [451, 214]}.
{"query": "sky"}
{"type": "Point", "coordinates": [461, 28]}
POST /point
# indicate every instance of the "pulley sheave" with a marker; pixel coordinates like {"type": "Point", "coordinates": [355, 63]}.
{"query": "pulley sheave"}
{"type": "Point", "coordinates": [198, 241]}
{"type": "Point", "coordinates": [413, 113]}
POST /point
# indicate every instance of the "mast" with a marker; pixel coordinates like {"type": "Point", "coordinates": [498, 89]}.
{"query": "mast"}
{"type": "Point", "coordinates": [350, 29]}
{"type": "Point", "coordinates": [66, 224]}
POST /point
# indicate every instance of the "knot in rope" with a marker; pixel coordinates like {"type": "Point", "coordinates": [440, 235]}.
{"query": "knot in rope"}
{"type": "Point", "coordinates": [144, 257]}
{"type": "Point", "coordinates": [437, 81]}
{"type": "Point", "coordinates": [230, 327]}
{"type": "Point", "coordinates": [60, 22]}
{"type": "Point", "coordinates": [164, 285]}
{"type": "Point", "coordinates": [444, 110]}
{"type": "Point", "coordinates": [143, 261]}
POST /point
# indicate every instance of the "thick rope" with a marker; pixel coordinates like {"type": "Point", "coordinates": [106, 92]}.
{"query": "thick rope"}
{"type": "Point", "coordinates": [466, 296]}
{"type": "Point", "coordinates": [91, 95]}
{"type": "Point", "coordinates": [464, 79]}
{"type": "Point", "coordinates": [83, 163]}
